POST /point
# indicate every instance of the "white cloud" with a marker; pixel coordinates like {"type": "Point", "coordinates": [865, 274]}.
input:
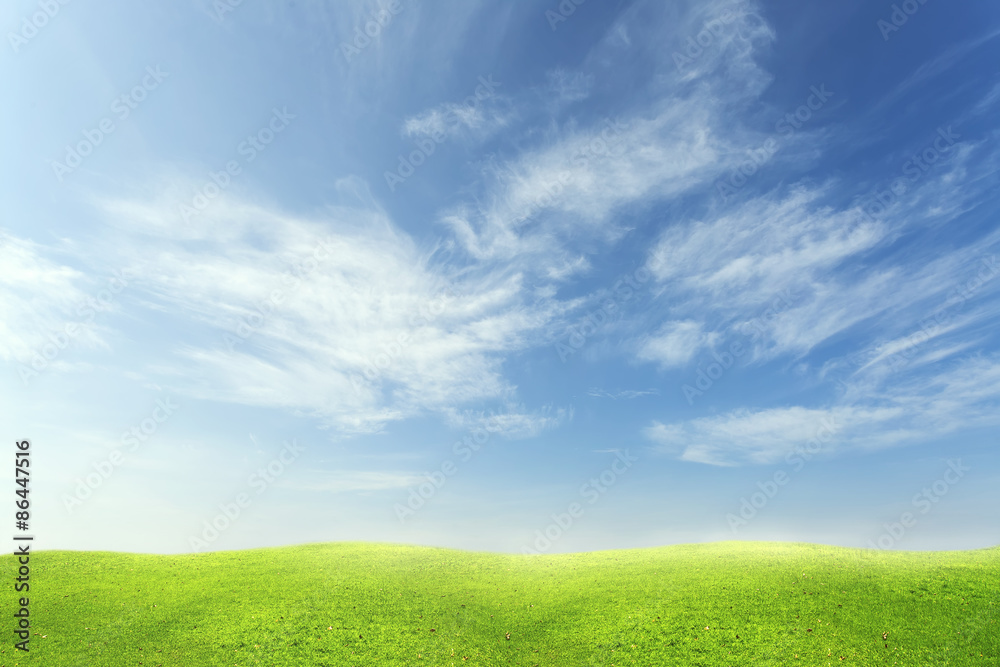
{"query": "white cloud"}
{"type": "Point", "coordinates": [756, 437]}
{"type": "Point", "coordinates": [937, 66]}
{"type": "Point", "coordinates": [562, 193]}
{"type": "Point", "coordinates": [567, 190]}
{"type": "Point", "coordinates": [767, 245]}
{"type": "Point", "coordinates": [626, 394]}
{"type": "Point", "coordinates": [513, 422]}
{"type": "Point", "coordinates": [676, 343]}
{"type": "Point", "coordinates": [43, 297]}
{"type": "Point", "coordinates": [871, 415]}
{"type": "Point", "coordinates": [566, 87]}
{"type": "Point", "coordinates": [343, 481]}
{"type": "Point", "coordinates": [358, 328]}
{"type": "Point", "coordinates": [451, 120]}
{"type": "Point", "coordinates": [484, 112]}
{"type": "Point", "coordinates": [727, 270]}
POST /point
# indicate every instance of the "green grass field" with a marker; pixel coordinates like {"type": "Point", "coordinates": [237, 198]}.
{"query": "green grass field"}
{"type": "Point", "coordinates": [343, 604]}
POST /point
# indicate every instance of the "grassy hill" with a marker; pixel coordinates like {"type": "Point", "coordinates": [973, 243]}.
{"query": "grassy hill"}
{"type": "Point", "coordinates": [342, 604]}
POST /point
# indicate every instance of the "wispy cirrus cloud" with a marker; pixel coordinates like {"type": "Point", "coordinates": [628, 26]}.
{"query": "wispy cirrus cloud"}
{"type": "Point", "coordinates": [513, 422]}
{"type": "Point", "coordinates": [869, 417]}
{"type": "Point", "coordinates": [626, 394]}
{"type": "Point", "coordinates": [676, 343]}
{"type": "Point", "coordinates": [348, 481]}
{"type": "Point", "coordinates": [364, 329]}
{"type": "Point", "coordinates": [476, 118]}
{"type": "Point", "coordinates": [561, 193]}
{"type": "Point", "coordinates": [39, 294]}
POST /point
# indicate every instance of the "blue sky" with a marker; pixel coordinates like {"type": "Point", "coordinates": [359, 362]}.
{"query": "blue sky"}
{"type": "Point", "coordinates": [502, 276]}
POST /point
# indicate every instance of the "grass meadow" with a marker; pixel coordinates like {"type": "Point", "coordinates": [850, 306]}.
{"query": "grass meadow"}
{"type": "Point", "coordinates": [344, 604]}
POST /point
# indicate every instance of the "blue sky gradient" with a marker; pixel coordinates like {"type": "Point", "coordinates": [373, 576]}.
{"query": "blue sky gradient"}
{"type": "Point", "coordinates": [503, 276]}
